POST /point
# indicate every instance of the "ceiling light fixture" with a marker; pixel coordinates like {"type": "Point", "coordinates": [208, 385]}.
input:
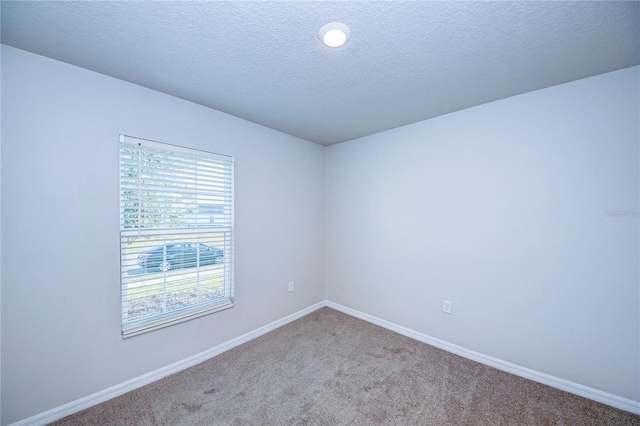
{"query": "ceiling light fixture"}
{"type": "Point", "coordinates": [335, 34]}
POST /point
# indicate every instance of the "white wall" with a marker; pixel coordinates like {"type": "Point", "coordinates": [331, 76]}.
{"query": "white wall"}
{"type": "Point", "coordinates": [60, 244]}
{"type": "Point", "coordinates": [501, 210]}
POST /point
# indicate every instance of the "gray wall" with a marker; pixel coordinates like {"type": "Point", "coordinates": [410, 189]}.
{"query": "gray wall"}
{"type": "Point", "coordinates": [60, 226]}
{"type": "Point", "coordinates": [501, 209]}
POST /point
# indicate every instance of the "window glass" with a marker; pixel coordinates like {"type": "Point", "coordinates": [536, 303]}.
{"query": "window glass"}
{"type": "Point", "coordinates": [173, 200]}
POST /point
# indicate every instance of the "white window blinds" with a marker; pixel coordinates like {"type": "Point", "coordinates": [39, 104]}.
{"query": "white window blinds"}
{"type": "Point", "coordinates": [176, 234]}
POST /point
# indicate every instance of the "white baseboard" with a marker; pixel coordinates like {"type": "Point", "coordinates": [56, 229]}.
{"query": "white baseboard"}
{"type": "Point", "coordinates": [555, 382]}
{"type": "Point", "coordinates": [102, 396]}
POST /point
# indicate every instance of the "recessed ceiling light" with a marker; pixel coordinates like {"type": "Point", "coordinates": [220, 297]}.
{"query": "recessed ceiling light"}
{"type": "Point", "coordinates": [334, 34]}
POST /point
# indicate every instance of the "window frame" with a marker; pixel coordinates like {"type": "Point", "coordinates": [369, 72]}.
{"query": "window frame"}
{"type": "Point", "coordinates": [132, 327]}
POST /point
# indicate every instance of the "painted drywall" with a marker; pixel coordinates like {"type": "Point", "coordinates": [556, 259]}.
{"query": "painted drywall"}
{"type": "Point", "coordinates": [60, 246]}
{"type": "Point", "coordinates": [522, 212]}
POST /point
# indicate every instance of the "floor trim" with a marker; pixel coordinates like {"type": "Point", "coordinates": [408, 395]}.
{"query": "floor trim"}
{"type": "Point", "coordinates": [555, 382]}
{"type": "Point", "coordinates": [122, 388]}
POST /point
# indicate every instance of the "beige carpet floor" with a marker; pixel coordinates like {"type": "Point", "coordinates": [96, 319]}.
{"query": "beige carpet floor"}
{"type": "Point", "coordinates": [329, 368]}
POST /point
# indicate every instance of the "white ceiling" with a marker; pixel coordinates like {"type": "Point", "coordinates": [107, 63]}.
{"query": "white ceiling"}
{"type": "Point", "coordinates": [262, 61]}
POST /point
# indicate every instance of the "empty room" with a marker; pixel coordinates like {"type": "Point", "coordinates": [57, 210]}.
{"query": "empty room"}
{"type": "Point", "coordinates": [323, 212]}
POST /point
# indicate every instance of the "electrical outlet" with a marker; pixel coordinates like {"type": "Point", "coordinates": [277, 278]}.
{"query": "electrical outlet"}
{"type": "Point", "coordinates": [446, 306]}
{"type": "Point", "coordinates": [290, 286]}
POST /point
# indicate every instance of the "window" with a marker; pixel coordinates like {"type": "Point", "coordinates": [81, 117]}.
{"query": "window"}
{"type": "Point", "coordinates": [176, 234]}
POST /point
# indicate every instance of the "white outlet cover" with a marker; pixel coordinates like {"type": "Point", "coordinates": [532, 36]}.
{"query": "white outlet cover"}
{"type": "Point", "coordinates": [446, 306]}
{"type": "Point", "coordinates": [291, 286]}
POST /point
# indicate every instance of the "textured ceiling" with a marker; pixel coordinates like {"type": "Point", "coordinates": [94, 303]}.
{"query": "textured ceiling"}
{"type": "Point", "coordinates": [262, 61]}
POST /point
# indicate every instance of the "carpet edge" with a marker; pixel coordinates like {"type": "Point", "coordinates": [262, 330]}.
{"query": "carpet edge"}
{"type": "Point", "coordinates": [137, 382]}
{"type": "Point", "coordinates": [606, 398]}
